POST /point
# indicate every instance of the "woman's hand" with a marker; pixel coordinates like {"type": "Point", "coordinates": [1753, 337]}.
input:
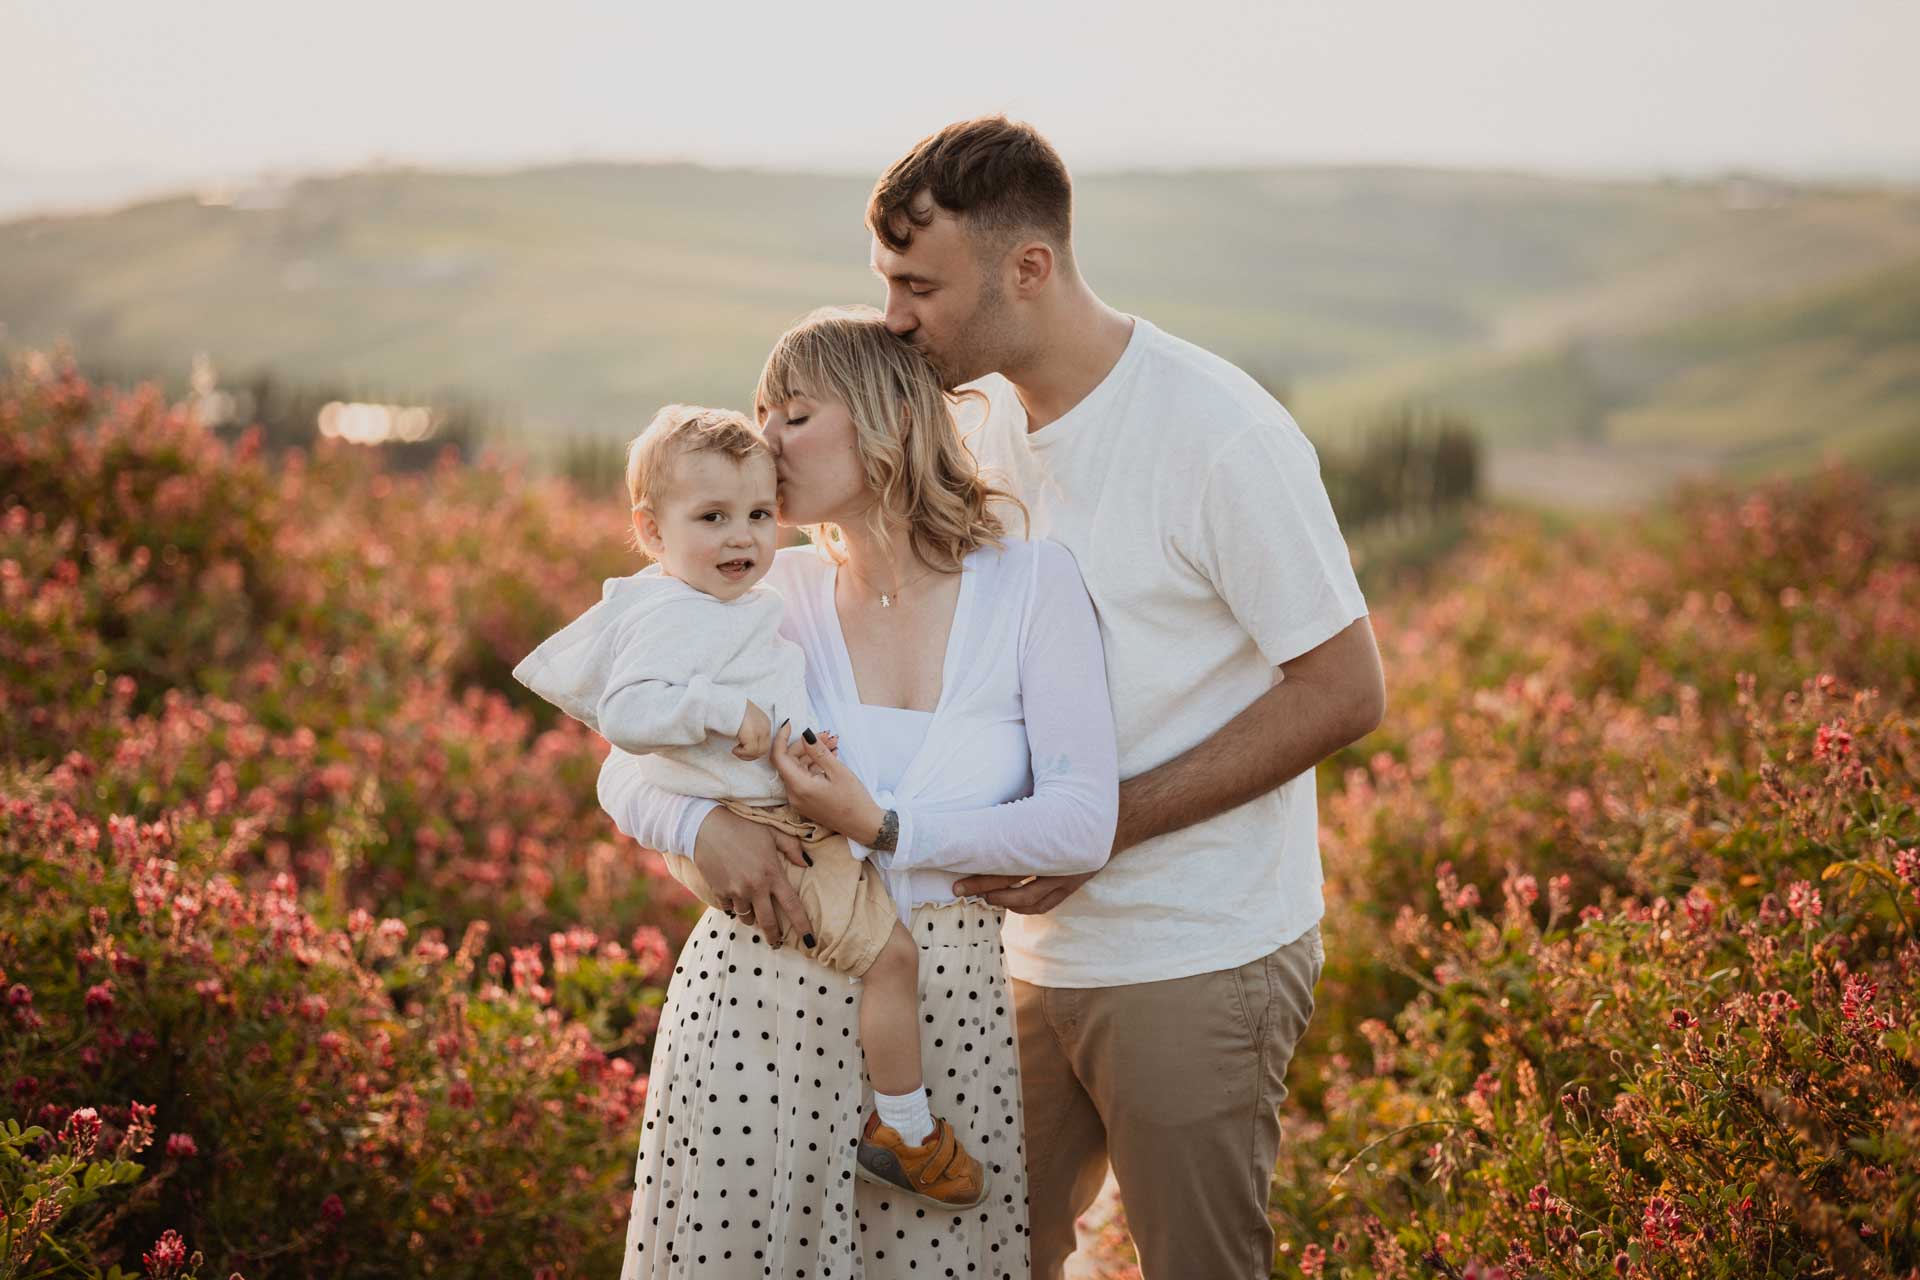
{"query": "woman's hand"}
{"type": "Point", "coordinates": [823, 789]}
{"type": "Point", "coordinates": [742, 862]}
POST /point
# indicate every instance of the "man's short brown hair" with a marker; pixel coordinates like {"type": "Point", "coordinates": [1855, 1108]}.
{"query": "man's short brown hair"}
{"type": "Point", "coordinates": [998, 175]}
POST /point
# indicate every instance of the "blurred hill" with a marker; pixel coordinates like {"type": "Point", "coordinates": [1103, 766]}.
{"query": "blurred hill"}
{"type": "Point", "coordinates": [1737, 322]}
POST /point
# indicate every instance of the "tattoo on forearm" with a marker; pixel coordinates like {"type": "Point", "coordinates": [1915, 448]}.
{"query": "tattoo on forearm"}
{"type": "Point", "coordinates": [889, 835]}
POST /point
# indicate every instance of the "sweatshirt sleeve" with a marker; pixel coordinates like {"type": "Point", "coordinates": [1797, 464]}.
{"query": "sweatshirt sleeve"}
{"type": "Point", "coordinates": [657, 818]}
{"type": "Point", "coordinates": [1066, 826]}
{"type": "Point", "coordinates": [659, 691]}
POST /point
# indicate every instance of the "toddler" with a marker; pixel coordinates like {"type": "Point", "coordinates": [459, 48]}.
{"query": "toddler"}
{"type": "Point", "coordinates": [684, 666]}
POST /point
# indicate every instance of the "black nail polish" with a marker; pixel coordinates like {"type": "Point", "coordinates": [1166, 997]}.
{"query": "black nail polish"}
{"type": "Point", "coordinates": [807, 938]}
{"type": "Point", "coordinates": [809, 857]}
{"type": "Point", "coordinates": [784, 723]}
{"type": "Point", "coordinates": [808, 735]}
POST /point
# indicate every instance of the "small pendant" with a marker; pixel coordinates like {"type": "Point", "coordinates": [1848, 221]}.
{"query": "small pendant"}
{"type": "Point", "coordinates": [886, 601]}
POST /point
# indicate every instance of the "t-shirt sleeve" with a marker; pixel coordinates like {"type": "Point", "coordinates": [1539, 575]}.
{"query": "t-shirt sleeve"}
{"type": "Point", "coordinates": [1268, 541]}
{"type": "Point", "coordinates": [1066, 826]}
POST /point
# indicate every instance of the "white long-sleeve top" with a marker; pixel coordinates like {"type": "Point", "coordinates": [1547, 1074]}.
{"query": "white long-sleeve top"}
{"type": "Point", "coordinates": [1017, 773]}
{"type": "Point", "coordinates": [664, 672]}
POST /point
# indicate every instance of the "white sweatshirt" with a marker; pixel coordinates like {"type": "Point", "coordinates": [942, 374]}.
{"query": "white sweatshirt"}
{"type": "Point", "coordinates": [664, 672]}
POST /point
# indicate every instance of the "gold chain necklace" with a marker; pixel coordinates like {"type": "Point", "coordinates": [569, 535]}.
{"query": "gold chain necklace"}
{"type": "Point", "coordinates": [886, 597]}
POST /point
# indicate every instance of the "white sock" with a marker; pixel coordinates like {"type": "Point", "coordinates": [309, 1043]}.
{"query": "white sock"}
{"type": "Point", "coordinates": [906, 1114]}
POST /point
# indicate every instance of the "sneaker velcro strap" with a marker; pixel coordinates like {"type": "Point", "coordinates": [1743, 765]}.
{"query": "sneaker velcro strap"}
{"type": "Point", "coordinates": [935, 1166]}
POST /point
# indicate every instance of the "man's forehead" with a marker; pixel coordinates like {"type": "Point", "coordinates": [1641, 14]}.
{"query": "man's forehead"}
{"type": "Point", "coordinates": [931, 247]}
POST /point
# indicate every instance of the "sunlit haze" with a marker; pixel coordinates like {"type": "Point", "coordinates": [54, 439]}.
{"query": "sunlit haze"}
{"type": "Point", "coordinates": [135, 92]}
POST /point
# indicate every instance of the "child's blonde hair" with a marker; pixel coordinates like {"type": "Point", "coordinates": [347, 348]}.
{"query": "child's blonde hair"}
{"type": "Point", "coordinates": [923, 475]}
{"type": "Point", "coordinates": [678, 430]}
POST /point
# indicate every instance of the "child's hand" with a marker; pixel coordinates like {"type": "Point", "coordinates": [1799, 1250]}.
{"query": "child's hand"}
{"type": "Point", "coordinates": [822, 788]}
{"type": "Point", "coordinates": [755, 736]}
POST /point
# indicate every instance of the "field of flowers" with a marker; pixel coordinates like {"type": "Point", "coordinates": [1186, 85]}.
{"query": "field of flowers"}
{"type": "Point", "coordinates": [318, 958]}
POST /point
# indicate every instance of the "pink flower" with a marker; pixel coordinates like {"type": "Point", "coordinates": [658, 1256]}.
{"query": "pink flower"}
{"type": "Point", "coordinates": [650, 950]}
{"type": "Point", "coordinates": [332, 1210]}
{"type": "Point", "coordinates": [1832, 742]}
{"type": "Point", "coordinates": [19, 995]}
{"type": "Point", "coordinates": [1698, 907]}
{"type": "Point", "coordinates": [1682, 1020]}
{"type": "Point", "coordinates": [168, 1257]}
{"type": "Point", "coordinates": [100, 999]}
{"type": "Point", "coordinates": [1803, 901]}
{"type": "Point", "coordinates": [82, 1132]}
{"type": "Point", "coordinates": [181, 1145]}
{"type": "Point", "coordinates": [1313, 1260]}
{"type": "Point", "coordinates": [1856, 1003]}
{"type": "Point", "coordinates": [1660, 1226]}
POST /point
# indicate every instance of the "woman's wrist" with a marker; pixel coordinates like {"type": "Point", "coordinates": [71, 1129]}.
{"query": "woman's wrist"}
{"type": "Point", "coordinates": [874, 823]}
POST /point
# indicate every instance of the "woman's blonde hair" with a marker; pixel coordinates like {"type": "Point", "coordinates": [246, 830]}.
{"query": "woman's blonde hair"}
{"type": "Point", "coordinates": [923, 475]}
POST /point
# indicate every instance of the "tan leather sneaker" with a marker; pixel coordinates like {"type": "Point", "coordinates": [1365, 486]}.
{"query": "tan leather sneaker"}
{"type": "Point", "coordinates": [939, 1172]}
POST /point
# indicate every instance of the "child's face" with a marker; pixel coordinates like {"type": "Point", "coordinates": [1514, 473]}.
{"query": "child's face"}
{"type": "Point", "coordinates": [715, 529]}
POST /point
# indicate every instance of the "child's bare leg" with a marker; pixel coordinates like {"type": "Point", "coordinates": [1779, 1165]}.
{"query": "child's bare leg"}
{"type": "Point", "coordinates": [890, 1015]}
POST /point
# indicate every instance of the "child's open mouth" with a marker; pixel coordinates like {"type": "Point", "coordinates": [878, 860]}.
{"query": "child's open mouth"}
{"type": "Point", "coordinates": [735, 568]}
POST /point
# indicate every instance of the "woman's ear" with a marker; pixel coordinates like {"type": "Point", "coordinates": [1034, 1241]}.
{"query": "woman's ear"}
{"type": "Point", "coordinates": [646, 528]}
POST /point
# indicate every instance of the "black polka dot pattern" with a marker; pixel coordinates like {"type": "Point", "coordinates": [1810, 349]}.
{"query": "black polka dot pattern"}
{"type": "Point", "coordinates": [756, 1098]}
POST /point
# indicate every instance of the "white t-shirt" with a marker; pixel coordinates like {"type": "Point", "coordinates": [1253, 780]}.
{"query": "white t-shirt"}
{"type": "Point", "coordinates": [1194, 507]}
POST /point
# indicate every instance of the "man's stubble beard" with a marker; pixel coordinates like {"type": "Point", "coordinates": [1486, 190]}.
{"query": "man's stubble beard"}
{"type": "Point", "coordinates": [983, 344]}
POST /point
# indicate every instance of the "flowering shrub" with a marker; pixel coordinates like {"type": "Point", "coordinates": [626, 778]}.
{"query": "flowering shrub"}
{"type": "Point", "coordinates": [1622, 974]}
{"type": "Point", "coordinates": [327, 1099]}
{"type": "Point", "coordinates": [288, 858]}
{"type": "Point", "coordinates": [312, 653]}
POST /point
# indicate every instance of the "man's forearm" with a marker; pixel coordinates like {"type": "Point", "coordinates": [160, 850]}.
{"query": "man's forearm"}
{"type": "Point", "coordinates": [1283, 733]}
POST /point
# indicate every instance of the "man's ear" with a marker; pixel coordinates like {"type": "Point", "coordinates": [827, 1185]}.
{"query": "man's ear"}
{"type": "Point", "coordinates": [1033, 265]}
{"type": "Point", "coordinates": [647, 530]}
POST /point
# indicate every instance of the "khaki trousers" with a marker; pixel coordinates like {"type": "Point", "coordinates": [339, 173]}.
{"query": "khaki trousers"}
{"type": "Point", "coordinates": [1178, 1085]}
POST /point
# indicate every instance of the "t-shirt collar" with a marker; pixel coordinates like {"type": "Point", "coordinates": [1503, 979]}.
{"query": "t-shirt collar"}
{"type": "Point", "coordinates": [1094, 402]}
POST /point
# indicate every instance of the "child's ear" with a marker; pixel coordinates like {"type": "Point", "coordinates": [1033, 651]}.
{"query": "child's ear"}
{"type": "Point", "coordinates": [647, 529]}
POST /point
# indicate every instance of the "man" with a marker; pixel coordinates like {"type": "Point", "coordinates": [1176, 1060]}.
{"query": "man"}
{"type": "Point", "coordinates": [1159, 1000]}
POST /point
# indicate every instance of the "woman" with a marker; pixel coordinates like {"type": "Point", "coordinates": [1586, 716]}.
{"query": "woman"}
{"type": "Point", "coordinates": [961, 669]}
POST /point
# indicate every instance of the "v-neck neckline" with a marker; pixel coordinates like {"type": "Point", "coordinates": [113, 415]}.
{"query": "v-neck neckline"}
{"type": "Point", "coordinates": [961, 604]}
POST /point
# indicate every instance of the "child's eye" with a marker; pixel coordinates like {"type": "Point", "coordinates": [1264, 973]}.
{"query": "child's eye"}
{"type": "Point", "coordinates": [712, 516]}
{"type": "Point", "coordinates": [794, 422]}
{"type": "Point", "coordinates": [761, 513]}
{"type": "Point", "coordinates": [919, 293]}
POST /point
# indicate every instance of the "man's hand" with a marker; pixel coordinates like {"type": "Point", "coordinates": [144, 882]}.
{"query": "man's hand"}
{"type": "Point", "coordinates": [755, 736]}
{"type": "Point", "coordinates": [742, 863]}
{"type": "Point", "coordinates": [1028, 895]}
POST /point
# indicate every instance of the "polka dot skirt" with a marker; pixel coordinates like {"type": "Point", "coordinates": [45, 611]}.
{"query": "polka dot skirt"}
{"type": "Point", "coordinates": [757, 1095]}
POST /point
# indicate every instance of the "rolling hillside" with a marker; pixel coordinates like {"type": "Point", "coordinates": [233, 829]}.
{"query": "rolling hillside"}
{"type": "Point", "coordinates": [1731, 316]}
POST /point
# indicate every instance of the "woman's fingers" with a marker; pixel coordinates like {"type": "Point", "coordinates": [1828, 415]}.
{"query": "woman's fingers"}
{"type": "Point", "coordinates": [766, 918]}
{"type": "Point", "coordinates": [791, 849]}
{"type": "Point", "coordinates": [792, 910]}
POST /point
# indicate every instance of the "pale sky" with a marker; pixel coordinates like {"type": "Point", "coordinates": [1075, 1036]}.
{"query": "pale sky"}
{"type": "Point", "coordinates": [214, 87]}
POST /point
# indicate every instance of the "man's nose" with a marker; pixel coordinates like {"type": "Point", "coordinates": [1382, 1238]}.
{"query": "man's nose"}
{"type": "Point", "coordinates": [898, 319]}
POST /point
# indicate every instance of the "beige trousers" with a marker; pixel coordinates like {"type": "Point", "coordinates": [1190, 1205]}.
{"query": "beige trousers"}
{"type": "Point", "coordinates": [1177, 1085]}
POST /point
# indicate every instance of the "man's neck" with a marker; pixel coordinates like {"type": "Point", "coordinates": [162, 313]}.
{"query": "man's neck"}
{"type": "Point", "coordinates": [1075, 354]}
